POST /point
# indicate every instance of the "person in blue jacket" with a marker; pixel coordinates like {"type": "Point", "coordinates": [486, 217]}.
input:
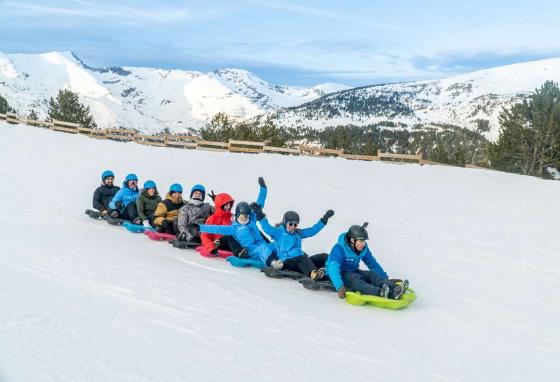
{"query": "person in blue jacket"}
{"type": "Point", "coordinates": [244, 228]}
{"type": "Point", "coordinates": [123, 205]}
{"type": "Point", "coordinates": [285, 250]}
{"type": "Point", "coordinates": [343, 267]}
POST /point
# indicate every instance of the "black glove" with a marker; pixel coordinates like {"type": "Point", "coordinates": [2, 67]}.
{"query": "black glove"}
{"type": "Point", "coordinates": [261, 182]}
{"type": "Point", "coordinates": [258, 211]}
{"type": "Point", "coordinates": [119, 205]}
{"type": "Point", "coordinates": [182, 236]}
{"type": "Point", "coordinates": [327, 216]}
{"type": "Point", "coordinates": [212, 195]}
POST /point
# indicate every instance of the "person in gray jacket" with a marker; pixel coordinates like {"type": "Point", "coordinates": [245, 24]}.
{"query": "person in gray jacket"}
{"type": "Point", "coordinates": [193, 213]}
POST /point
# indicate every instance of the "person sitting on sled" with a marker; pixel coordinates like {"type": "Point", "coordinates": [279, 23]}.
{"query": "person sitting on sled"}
{"type": "Point", "coordinates": [285, 250]}
{"type": "Point", "coordinates": [244, 227]}
{"type": "Point", "coordinates": [146, 204]}
{"type": "Point", "coordinates": [343, 267]}
{"type": "Point", "coordinates": [123, 205]}
{"type": "Point", "coordinates": [105, 193]}
{"type": "Point", "coordinates": [192, 214]}
{"type": "Point", "coordinates": [165, 216]}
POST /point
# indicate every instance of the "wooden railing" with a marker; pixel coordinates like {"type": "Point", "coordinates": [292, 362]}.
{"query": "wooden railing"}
{"type": "Point", "coordinates": [193, 142]}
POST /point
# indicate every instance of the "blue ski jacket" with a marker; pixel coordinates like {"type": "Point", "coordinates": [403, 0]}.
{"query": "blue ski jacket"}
{"type": "Point", "coordinates": [344, 259]}
{"type": "Point", "coordinates": [125, 195]}
{"type": "Point", "coordinates": [285, 244]}
{"type": "Point", "coordinates": [247, 235]}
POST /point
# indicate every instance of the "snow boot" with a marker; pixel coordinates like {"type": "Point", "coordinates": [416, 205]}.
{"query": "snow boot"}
{"type": "Point", "coordinates": [399, 290]}
{"type": "Point", "coordinates": [384, 291]}
{"type": "Point", "coordinates": [243, 254]}
{"type": "Point", "coordinates": [318, 274]}
{"type": "Point", "coordinates": [137, 221]}
{"type": "Point", "coordinates": [277, 264]}
{"type": "Point", "coordinates": [114, 214]}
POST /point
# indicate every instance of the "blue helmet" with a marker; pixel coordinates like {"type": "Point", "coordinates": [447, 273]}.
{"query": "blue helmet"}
{"type": "Point", "coordinates": [176, 187]}
{"type": "Point", "coordinates": [149, 184]}
{"type": "Point", "coordinates": [106, 174]}
{"type": "Point", "coordinates": [131, 177]}
{"type": "Point", "coordinates": [199, 187]}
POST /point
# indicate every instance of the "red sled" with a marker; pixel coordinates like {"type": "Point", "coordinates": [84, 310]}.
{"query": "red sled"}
{"type": "Point", "coordinates": [221, 253]}
{"type": "Point", "coordinates": [159, 236]}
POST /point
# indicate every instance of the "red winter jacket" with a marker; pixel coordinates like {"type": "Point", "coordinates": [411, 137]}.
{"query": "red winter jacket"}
{"type": "Point", "coordinates": [219, 217]}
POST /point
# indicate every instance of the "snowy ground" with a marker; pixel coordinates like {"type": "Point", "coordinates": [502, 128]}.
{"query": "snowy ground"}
{"type": "Point", "coordinates": [84, 301]}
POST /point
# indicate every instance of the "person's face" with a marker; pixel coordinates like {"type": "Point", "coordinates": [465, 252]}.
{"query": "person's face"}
{"type": "Point", "coordinates": [176, 195]}
{"type": "Point", "coordinates": [291, 226]}
{"type": "Point", "coordinates": [132, 183]}
{"type": "Point", "coordinates": [243, 219]}
{"type": "Point", "coordinates": [151, 191]}
{"type": "Point", "coordinates": [359, 244]}
{"type": "Point", "coordinates": [109, 181]}
{"type": "Point", "coordinates": [197, 195]}
{"type": "Point", "coordinates": [227, 206]}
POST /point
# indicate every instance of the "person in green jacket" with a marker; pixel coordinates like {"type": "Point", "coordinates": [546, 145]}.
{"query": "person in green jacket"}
{"type": "Point", "coordinates": [146, 204]}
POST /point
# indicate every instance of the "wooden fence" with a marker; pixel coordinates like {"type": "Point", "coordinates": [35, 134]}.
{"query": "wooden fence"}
{"type": "Point", "coordinates": [192, 142]}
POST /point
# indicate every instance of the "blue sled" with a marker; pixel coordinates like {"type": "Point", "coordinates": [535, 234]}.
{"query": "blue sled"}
{"type": "Point", "coordinates": [136, 228]}
{"type": "Point", "coordinates": [243, 263]}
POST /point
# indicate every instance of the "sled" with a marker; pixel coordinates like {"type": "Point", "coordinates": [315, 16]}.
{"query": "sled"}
{"type": "Point", "coordinates": [158, 236]}
{"type": "Point", "coordinates": [115, 221]}
{"type": "Point", "coordinates": [221, 253]}
{"type": "Point", "coordinates": [136, 228]}
{"type": "Point", "coordinates": [355, 298]}
{"type": "Point", "coordinates": [309, 283]}
{"type": "Point", "coordinates": [279, 274]}
{"type": "Point", "coordinates": [243, 263]}
{"type": "Point", "coordinates": [184, 244]}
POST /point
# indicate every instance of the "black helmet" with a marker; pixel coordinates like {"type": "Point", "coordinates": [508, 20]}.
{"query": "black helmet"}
{"type": "Point", "coordinates": [290, 216]}
{"type": "Point", "coordinates": [358, 232]}
{"type": "Point", "coordinates": [242, 208]}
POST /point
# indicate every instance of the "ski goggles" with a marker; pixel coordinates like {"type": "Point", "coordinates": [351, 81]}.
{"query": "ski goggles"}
{"type": "Point", "coordinates": [292, 224]}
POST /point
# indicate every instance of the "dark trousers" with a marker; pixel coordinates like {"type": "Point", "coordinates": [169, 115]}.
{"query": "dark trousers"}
{"type": "Point", "coordinates": [168, 226]}
{"type": "Point", "coordinates": [365, 282]}
{"type": "Point", "coordinates": [129, 212]}
{"type": "Point", "coordinates": [228, 243]}
{"type": "Point", "coordinates": [304, 264]}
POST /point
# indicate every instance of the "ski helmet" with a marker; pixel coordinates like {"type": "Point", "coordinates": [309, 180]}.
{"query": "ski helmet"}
{"type": "Point", "coordinates": [131, 177]}
{"type": "Point", "coordinates": [242, 208]}
{"type": "Point", "coordinates": [176, 187]}
{"type": "Point", "coordinates": [107, 174]}
{"type": "Point", "coordinates": [290, 216]}
{"type": "Point", "coordinates": [358, 232]}
{"type": "Point", "coordinates": [198, 187]}
{"type": "Point", "coordinates": [149, 184]}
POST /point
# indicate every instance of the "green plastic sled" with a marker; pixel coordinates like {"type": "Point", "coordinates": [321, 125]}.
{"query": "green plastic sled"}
{"type": "Point", "coordinates": [355, 298]}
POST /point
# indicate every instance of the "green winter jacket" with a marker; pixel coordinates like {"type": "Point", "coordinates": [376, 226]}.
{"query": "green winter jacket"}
{"type": "Point", "coordinates": [146, 205]}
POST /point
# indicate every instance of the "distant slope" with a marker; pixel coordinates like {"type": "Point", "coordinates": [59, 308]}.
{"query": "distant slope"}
{"type": "Point", "coordinates": [459, 100]}
{"type": "Point", "coordinates": [146, 99]}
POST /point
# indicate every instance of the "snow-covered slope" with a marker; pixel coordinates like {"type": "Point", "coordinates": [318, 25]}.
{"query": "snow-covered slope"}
{"type": "Point", "coordinates": [84, 301]}
{"type": "Point", "coordinates": [146, 99]}
{"type": "Point", "coordinates": [459, 100]}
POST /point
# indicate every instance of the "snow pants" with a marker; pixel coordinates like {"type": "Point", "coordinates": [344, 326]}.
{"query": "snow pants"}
{"type": "Point", "coordinates": [304, 264]}
{"type": "Point", "coordinates": [365, 282]}
{"type": "Point", "coordinates": [129, 212]}
{"type": "Point", "coordinates": [228, 243]}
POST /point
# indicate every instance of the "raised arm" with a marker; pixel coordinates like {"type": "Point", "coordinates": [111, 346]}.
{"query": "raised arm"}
{"type": "Point", "coordinates": [262, 192]}
{"type": "Point", "coordinates": [217, 229]}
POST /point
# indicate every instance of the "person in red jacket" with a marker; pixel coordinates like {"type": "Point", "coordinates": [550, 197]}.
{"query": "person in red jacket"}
{"type": "Point", "coordinates": [221, 216]}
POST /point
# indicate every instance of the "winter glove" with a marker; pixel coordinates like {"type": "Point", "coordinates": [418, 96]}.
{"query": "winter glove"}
{"type": "Point", "coordinates": [182, 236]}
{"type": "Point", "coordinates": [146, 224]}
{"type": "Point", "coordinates": [212, 195]}
{"type": "Point", "coordinates": [214, 252]}
{"type": "Point", "coordinates": [341, 292]}
{"type": "Point", "coordinates": [258, 211]}
{"type": "Point", "coordinates": [261, 182]}
{"type": "Point", "coordinates": [217, 243]}
{"type": "Point", "coordinates": [327, 216]}
{"type": "Point", "coordinates": [119, 205]}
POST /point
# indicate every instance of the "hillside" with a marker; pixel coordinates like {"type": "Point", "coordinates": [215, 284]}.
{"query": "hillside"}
{"type": "Point", "coordinates": [85, 301]}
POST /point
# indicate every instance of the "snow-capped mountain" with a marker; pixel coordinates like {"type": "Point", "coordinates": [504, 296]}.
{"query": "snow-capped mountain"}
{"type": "Point", "coordinates": [146, 99]}
{"type": "Point", "coordinates": [459, 100]}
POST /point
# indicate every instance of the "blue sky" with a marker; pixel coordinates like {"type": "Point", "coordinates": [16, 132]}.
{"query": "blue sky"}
{"type": "Point", "coordinates": [354, 42]}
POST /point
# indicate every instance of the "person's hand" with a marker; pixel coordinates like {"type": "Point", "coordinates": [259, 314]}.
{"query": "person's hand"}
{"type": "Point", "coordinates": [119, 205]}
{"type": "Point", "coordinates": [261, 182]}
{"type": "Point", "coordinates": [258, 211]}
{"type": "Point", "coordinates": [341, 292]}
{"type": "Point", "coordinates": [146, 224]}
{"type": "Point", "coordinates": [327, 216]}
{"type": "Point", "coordinates": [212, 195]}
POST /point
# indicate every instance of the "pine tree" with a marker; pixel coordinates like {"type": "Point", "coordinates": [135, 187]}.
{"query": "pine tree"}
{"type": "Point", "coordinates": [32, 115]}
{"type": "Point", "coordinates": [67, 107]}
{"type": "Point", "coordinates": [5, 106]}
{"type": "Point", "coordinates": [219, 129]}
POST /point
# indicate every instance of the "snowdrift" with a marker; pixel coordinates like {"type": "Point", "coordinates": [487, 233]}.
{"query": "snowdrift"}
{"type": "Point", "coordinates": [85, 301]}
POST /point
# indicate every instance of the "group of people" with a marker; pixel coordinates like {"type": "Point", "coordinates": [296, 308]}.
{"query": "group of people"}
{"type": "Point", "coordinates": [221, 227]}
